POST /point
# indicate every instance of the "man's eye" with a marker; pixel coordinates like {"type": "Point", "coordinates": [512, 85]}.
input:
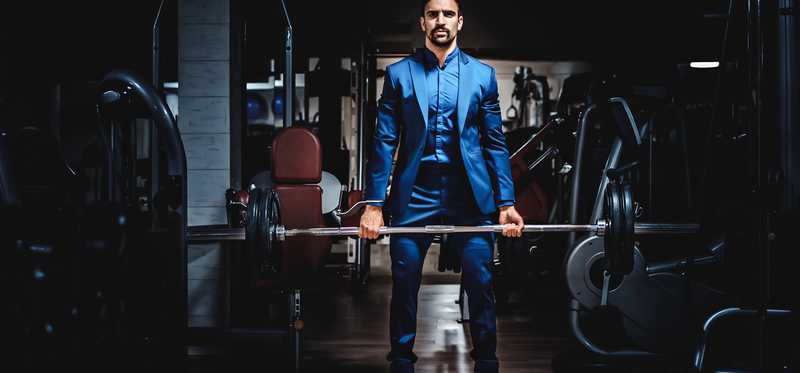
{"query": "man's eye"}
{"type": "Point", "coordinates": [449, 14]}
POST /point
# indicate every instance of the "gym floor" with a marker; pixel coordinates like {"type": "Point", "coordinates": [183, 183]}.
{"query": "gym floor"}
{"type": "Point", "coordinates": [349, 332]}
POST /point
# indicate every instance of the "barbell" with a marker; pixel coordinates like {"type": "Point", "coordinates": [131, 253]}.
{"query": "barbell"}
{"type": "Point", "coordinates": [264, 232]}
{"type": "Point", "coordinates": [600, 229]}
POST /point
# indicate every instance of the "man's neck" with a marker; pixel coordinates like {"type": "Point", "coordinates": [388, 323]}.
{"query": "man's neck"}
{"type": "Point", "coordinates": [441, 52]}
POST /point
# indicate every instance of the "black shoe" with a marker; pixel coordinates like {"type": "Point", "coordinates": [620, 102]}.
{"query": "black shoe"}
{"type": "Point", "coordinates": [487, 366]}
{"type": "Point", "coordinates": [401, 366]}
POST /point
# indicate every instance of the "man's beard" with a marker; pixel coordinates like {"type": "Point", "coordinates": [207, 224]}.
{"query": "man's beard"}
{"type": "Point", "coordinates": [441, 42]}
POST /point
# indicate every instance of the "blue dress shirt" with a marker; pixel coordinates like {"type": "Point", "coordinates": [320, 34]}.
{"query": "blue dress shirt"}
{"type": "Point", "coordinates": [441, 186]}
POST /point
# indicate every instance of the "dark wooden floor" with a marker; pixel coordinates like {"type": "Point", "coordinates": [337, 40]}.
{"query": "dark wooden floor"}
{"type": "Point", "coordinates": [348, 332]}
{"type": "Point", "coordinates": [353, 335]}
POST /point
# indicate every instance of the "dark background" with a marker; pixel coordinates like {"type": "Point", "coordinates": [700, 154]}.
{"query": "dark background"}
{"type": "Point", "coordinates": [83, 40]}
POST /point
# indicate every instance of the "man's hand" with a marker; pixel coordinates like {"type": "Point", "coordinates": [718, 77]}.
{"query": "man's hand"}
{"type": "Point", "coordinates": [512, 221]}
{"type": "Point", "coordinates": [371, 222]}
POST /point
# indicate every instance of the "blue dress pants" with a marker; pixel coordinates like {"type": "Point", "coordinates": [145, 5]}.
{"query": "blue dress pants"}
{"type": "Point", "coordinates": [476, 251]}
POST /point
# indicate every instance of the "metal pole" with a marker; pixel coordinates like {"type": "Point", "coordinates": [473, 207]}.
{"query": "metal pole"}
{"type": "Point", "coordinates": [154, 142]}
{"type": "Point", "coordinates": [362, 79]}
{"type": "Point", "coordinates": [296, 328]}
{"type": "Point", "coordinates": [288, 83]}
{"type": "Point", "coordinates": [112, 146]}
{"type": "Point", "coordinates": [288, 75]}
{"type": "Point", "coordinates": [580, 143]}
{"type": "Point", "coordinates": [787, 99]}
{"type": "Point", "coordinates": [361, 267]}
{"type": "Point", "coordinates": [132, 133]}
{"type": "Point", "coordinates": [156, 46]}
{"type": "Point", "coordinates": [755, 49]}
{"type": "Point", "coordinates": [716, 113]}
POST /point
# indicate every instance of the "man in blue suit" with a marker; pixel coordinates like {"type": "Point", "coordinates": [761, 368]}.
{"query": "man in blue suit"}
{"type": "Point", "coordinates": [440, 106]}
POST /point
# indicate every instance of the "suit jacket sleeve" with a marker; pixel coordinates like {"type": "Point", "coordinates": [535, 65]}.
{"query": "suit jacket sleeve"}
{"type": "Point", "coordinates": [384, 142]}
{"type": "Point", "coordinates": [494, 145]}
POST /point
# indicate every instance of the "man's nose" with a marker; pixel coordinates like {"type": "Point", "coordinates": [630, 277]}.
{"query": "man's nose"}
{"type": "Point", "coordinates": [440, 19]}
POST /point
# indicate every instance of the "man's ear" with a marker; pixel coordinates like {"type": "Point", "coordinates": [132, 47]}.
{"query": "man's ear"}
{"type": "Point", "coordinates": [460, 22]}
{"type": "Point", "coordinates": [422, 23]}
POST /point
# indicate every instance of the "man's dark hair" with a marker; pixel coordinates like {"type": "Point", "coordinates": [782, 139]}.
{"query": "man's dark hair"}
{"type": "Point", "coordinates": [425, 2]}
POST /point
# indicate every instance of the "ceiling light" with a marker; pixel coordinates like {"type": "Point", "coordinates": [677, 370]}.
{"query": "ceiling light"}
{"type": "Point", "coordinates": [704, 65]}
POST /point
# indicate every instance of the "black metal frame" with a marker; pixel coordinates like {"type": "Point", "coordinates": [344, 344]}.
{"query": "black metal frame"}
{"type": "Point", "coordinates": [597, 211]}
{"type": "Point", "coordinates": [8, 193]}
{"type": "Point", "coordinates": [123, 90]}
{"type": "Point", "coordinates": [156, 80]}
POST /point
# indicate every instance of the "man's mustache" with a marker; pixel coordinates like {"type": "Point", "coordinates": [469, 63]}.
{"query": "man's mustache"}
{"type": "Point", "coordinates": [440, 29]}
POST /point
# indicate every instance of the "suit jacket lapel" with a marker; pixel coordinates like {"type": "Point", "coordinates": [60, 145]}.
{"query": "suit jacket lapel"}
{"type": "Point", "coordinates": [420, 89]}
{"type": "Point", "coordinates": [464, 90]}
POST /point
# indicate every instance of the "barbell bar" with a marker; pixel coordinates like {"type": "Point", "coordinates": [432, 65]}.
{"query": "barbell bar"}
{"type": "Point", "coordinates": [207, 233]}
{"type": "Point", "coordinates": [281, 233]}
{"type": "Point", "coordinates": [600, 228]}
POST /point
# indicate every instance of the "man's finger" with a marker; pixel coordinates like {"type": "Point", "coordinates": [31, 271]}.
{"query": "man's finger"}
{"type": "Point", "coordinates": [373, 233]}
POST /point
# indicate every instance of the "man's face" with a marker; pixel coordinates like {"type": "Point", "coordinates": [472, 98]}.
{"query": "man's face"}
{"type": "Point", "coordinates": [441, 21]}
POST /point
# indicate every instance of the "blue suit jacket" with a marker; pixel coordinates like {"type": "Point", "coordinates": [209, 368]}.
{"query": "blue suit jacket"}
{"type": "Point", "coordinates": [402, 120]}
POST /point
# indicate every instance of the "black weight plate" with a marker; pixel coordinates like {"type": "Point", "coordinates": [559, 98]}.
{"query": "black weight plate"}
{"type": "Point", "coordinates": [267, 227]}
{"type": "Point", "coordinates": [251, 240]}
{"type": "Point", "coordinates": [615, 223]}
{"type": "Point", "coordinates": [263, 228]}
{"type": "Point", "coordinates": [252, 220]}
{"type": "Point", "coordinates": [627, 238]}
